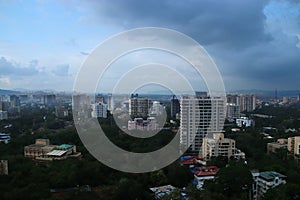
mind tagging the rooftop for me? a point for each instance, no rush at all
(64, 146)
(271, 175)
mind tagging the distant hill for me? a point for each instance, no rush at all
(8, 92)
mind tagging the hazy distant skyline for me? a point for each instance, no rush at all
(255, 43)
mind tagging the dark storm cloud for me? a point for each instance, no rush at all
(8, 67)
(237, 34)
(232, 22)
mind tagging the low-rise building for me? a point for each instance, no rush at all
(143, 125)
(263, 181)
(244, 122)
(205, 173)
(161, 191)
(5, 138)
(43, 151)
(281, 143)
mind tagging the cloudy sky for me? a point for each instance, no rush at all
(255, 43)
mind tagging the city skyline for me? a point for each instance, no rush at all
(255, 44)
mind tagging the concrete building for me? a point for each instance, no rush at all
(263, 181)
(3, 115)
(237, 103)
(218, 146)
(3, 167)
(232, 111)
(49, 99)
(200, 115)
(138, 106)
(61, 111)
(99, 110)
(273, 147)
(247, 102)
(43, 151)
(294, 145)
(175, 107)
(204, 173)
(244, 122)
(143, 125)
(5, 138)
(161, 191)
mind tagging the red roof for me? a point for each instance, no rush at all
(207, 171)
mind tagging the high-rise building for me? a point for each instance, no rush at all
(138, 106)
(50, 99)
(239, 103)
(110, 103)
(175, 106)
(247, 102)
(99, 110)
(200, 115)
(14, 101)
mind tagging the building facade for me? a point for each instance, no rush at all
(263, 181)
(99, 110)
(218, 146)
(200, 115)
(294, 145)
(138, 107)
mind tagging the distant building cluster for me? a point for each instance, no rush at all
(150, 124)
(292, 145)
(237, 103)
(43, 151)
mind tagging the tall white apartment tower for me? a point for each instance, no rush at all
(200, 115)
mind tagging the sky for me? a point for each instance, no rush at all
(254, 43)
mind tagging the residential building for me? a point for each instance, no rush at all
(204, 173)
(61, 111)
(263, 181)
(200, 115)
(161, 191)
(218, 146)
(49, 99)
(5, 138)
(244, 122)
(294, 145)
(138, 106)
(3, 167)
(175, 106)
(99, 110)
(3, 115)
(143, 125)
(237, 103)
(247, 102)
(273, 147)
(232, 111)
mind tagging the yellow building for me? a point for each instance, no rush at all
(218, 146)
(43, 151)
(41, 147)
(294, 145)
(281, 143)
